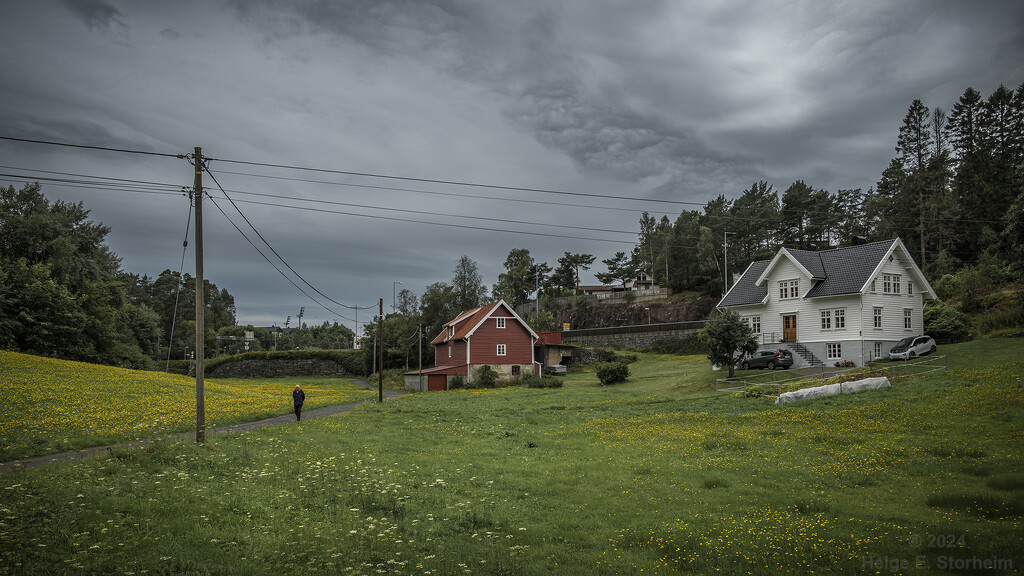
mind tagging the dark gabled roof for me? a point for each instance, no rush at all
(849, 268)
(745, 291)
(835, 272)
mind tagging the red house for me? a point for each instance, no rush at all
(491, 335)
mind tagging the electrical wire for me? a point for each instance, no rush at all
(454, 182)
(438, 193)
(86, 147)
(279, 257)
(269, 261)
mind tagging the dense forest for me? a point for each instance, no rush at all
(953, 192)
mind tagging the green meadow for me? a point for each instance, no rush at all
(654, 476)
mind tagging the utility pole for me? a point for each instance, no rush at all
(380, 372)
(200, 305)
(420, 330)
(537, 301)
(725, 244)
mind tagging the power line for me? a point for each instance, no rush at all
(269, 261)
(283, 261)
(456, 182)
(438, 193)
(86, 147)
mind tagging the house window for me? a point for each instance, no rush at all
(449, 351)
(789, 289)
(910, 287)
(516, 370)
(755, 324)
(878, 349)
(877, 314)
(826, 319)
(501, 349)
(451, 331)
(834, 351)
(891, 283)
(908, 319)
(840, 316)
(501, 322)
(872, 285)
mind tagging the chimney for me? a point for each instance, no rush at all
(812, 247)
(858, 241)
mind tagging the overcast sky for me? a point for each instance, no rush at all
(659, 104)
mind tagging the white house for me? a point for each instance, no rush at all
(850, 303)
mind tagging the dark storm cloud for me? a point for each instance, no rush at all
(669, 100)
(98, 15)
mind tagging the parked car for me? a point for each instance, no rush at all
(912, 347)
(556, 369)
(769, 359)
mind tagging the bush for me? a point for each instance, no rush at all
(944, 324)
(612, 372)
(545, 381)
(457, 381)
(353, 361)
(486, 377)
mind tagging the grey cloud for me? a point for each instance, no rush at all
(97, 14)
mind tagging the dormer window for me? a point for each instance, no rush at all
(451, 331)
(789, 289)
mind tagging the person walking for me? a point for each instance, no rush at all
(299, 397)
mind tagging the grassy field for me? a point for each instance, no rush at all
(642, 477)
(55, 405)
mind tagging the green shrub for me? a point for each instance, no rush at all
(353, 361)
(457, 381)
(538, 381)
(612, 372)
(486, 377)
(943, 323)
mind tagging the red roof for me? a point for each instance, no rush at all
(467, 322)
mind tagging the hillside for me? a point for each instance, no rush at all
(681, 307)
(55, 405)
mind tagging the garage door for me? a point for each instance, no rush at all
(437, 382)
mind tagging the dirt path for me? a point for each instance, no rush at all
(37, 461)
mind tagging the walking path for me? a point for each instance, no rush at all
(37, 461)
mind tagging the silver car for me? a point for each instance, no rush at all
(912, 347)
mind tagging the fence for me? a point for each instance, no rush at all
(771, 380)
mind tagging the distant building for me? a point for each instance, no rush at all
(851, 303)
(491, 335)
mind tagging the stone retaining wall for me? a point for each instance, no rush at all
(277, 368)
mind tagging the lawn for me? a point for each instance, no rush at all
(54, 405)
(636, 478)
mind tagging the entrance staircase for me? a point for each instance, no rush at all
(802, 351)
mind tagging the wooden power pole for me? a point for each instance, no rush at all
(200, 305)
(380, 368)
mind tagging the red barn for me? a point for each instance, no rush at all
(492, 335)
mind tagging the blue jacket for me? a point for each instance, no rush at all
(299, 396)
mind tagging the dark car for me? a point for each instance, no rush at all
(770, 359)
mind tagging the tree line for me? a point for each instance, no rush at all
(954, 193)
